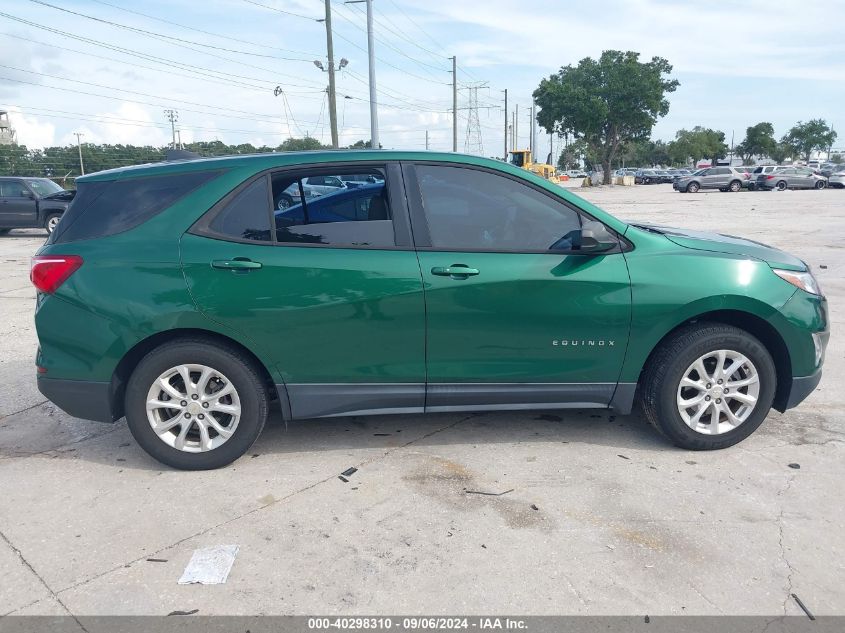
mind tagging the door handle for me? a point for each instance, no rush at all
(237, 264)
(455, 271)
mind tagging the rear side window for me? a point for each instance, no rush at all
(106, 208)
(306, 209)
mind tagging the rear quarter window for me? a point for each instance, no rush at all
(103, 208)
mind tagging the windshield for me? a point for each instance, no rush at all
(44, 186)
(518, 159)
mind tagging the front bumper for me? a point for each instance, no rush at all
(802, 387)
(84, 399)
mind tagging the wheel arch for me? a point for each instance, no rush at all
(758, 327)
(133, 356)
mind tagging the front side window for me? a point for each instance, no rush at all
(12, 189)
(468, 209)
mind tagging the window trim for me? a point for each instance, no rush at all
(396, 199)
(419, 222)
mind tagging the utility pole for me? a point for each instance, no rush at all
(330, 54)
(516, 128)
(172, 116)
(426, 139)
(505, 156)
(79, 147)
(179, 137)
(454, 103)
(371, 54)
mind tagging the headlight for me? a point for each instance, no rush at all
(804, 280)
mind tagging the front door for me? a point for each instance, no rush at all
(17, 205)
(331, 295)
(509, 321)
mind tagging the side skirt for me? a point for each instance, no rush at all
(320, 400)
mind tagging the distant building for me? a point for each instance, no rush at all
(7, 132)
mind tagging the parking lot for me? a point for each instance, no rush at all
(602, 515)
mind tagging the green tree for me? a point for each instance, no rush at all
(698, 143)
(780, 152)
(301, 144)
(836, 159)
(759, 141)
(606, 102)
(570, 156)
(803, 138)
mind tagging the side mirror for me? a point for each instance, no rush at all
(595, 238)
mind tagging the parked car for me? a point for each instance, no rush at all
(665, 176)
(29, 203)
(721, 178)
(791, 178)
(389, 298)
(760, 169)
(647, 177)
(356, 180)
(837, 177)
(576, 173)
(311, 187)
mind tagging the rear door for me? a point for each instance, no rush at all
(332, 293)
(18, 207)
(803, 178)
(509, 321)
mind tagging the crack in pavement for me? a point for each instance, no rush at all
(266, 505)
(52, 593)
(783, 557)
(9, 415)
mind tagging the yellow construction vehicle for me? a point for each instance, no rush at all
(522, 158)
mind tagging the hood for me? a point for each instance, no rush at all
(63, 196)
(730, 244)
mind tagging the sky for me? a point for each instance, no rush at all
(219, 62)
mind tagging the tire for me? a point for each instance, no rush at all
(693, 187)
(735, 186)
(284, 202)
(4, 231)
(230, 367)
(820, 184)
(51, 221)
(751, 186)
(661, 389)
(781, 185)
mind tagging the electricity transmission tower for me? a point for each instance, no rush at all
(474, 143)
(172, 116)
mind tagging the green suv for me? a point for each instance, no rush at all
(185, 297)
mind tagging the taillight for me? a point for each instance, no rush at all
(48, 272)
(770, 177)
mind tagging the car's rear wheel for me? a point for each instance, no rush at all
(196, 405)
(52, 221)
(781, 186)
(708, 386)
(735, 186)
(820, 184)
(693, 187)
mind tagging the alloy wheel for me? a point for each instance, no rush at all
(52, 223)
(718, 392)
(193, 408)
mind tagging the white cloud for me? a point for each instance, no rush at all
(30, 131)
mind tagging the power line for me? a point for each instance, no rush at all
(264, 6)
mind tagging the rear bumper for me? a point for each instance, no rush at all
(80, 398)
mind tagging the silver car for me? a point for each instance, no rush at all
(721, 178)
(791, 178)
(837, 177)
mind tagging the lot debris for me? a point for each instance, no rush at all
(343, 479)
(381, 434)
(349, 471)
(823, 266)
(489, 494)
(210, 565)
(623, 457)
(191, 612)
(803, 607)
(794, 465)
(156, 560)
(534, 506)
(484, 546)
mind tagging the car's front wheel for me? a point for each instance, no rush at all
(708, 386)
(195, 405)
(735, 186)
(693, 187)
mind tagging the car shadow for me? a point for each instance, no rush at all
(54, 435)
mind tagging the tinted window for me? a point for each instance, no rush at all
(471, 209)
(247, 215)
(12, 189)
(106, 208)
(343, 216)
